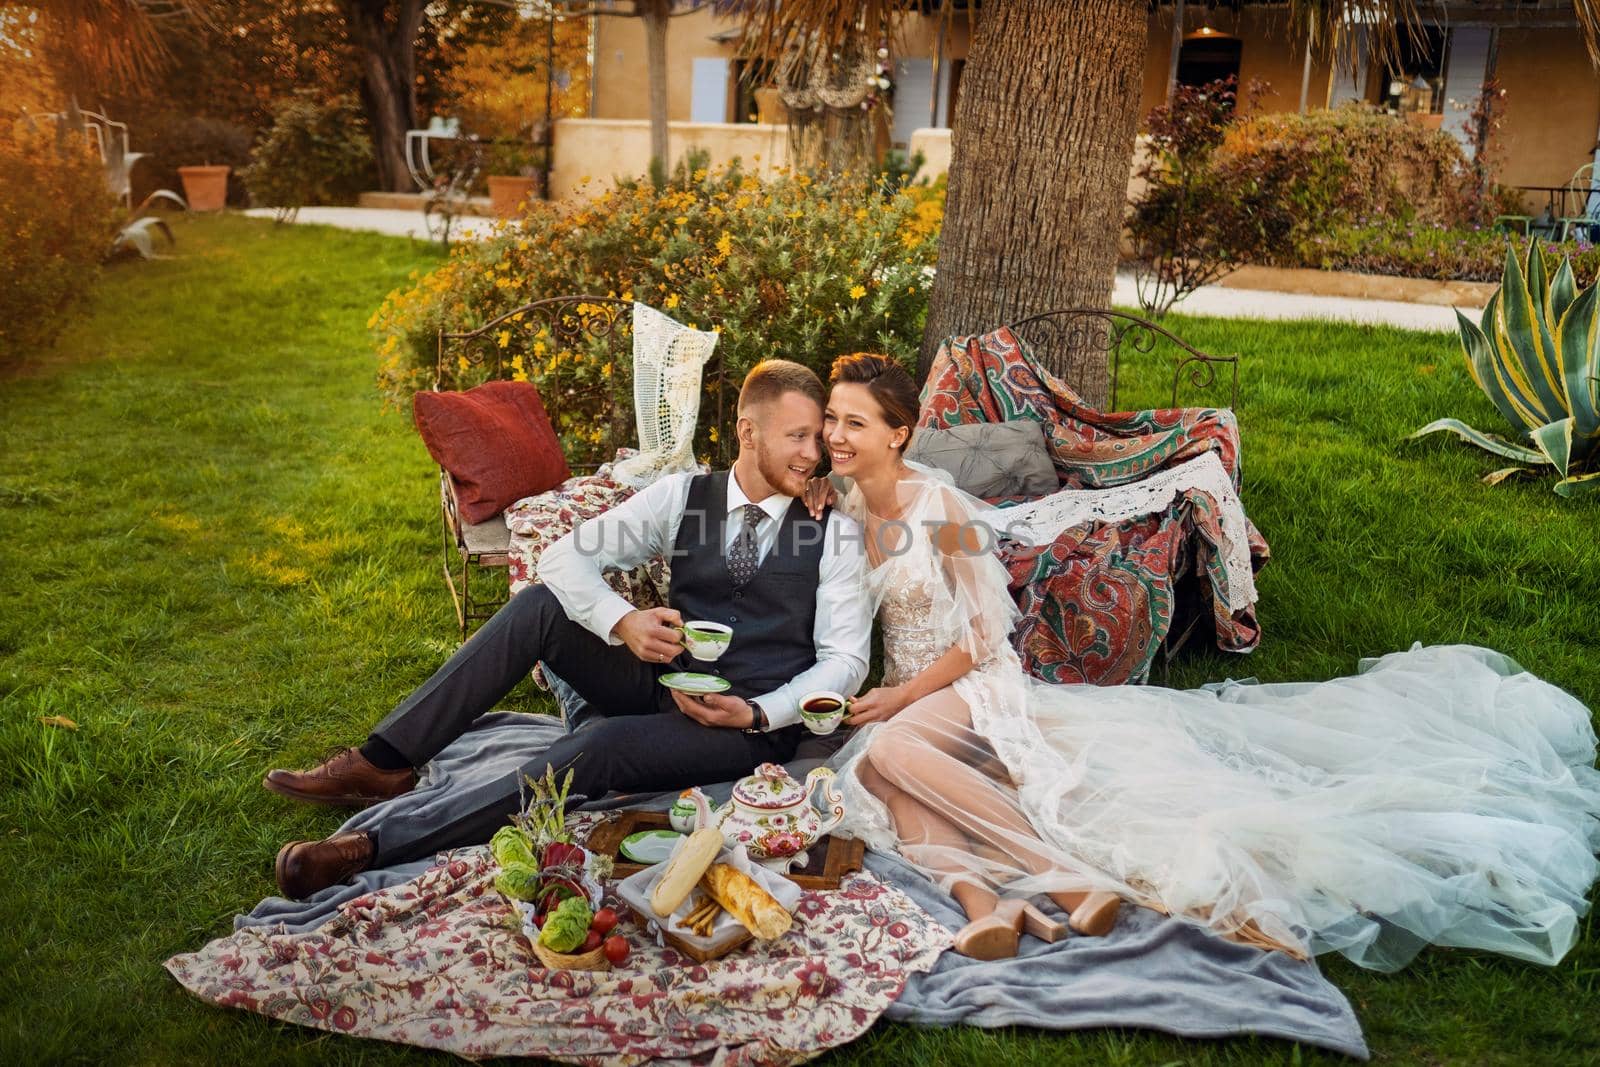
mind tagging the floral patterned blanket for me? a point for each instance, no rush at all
(1098, 603)
(438, 962)
(538, 521)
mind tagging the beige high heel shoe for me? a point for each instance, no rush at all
(1095, 914)
(995, 936)
(1036, 923)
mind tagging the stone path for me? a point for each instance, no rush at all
(390, 221)
(1210, 300)
(1262, 304)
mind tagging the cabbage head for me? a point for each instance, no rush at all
(566, 927)
(510, 845)
(519, 881)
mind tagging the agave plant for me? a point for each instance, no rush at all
(138, 237)
(1536, 354)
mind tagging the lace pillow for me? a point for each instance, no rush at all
(990, 459)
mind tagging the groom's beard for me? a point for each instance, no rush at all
(775, 470)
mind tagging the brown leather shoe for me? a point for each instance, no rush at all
(303, 867)
(347, 779)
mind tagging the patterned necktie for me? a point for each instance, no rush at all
(743, 554)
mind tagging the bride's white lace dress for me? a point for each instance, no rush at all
(1441, 795)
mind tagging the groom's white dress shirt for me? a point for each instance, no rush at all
(646, 525)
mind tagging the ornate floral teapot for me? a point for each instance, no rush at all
(772, 816)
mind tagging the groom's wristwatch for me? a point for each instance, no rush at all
(758, 718)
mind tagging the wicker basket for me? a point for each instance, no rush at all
(561, 961)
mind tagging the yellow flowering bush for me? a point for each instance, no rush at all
(794, 266)
(927, 214)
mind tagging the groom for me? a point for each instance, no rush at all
(744, 552)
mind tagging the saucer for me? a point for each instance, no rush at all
(689, 682)
(649, 846)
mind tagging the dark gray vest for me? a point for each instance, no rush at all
(772, 615)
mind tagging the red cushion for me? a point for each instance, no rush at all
(496, 442)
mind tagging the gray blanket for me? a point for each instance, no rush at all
(1150, 972)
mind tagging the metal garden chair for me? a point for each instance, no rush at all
(1582, 194)
(560, 323)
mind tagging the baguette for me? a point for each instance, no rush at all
(684, 870)
(743, 897)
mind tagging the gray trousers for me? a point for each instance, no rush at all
(631, 737)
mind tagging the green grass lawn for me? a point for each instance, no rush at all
(220, 555)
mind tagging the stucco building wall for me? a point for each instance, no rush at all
(1269, 53)
(1551, 120)
(621, 71)
(591, 153)
(1552, 108)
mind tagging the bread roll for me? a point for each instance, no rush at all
(742, 897)
(684, 870)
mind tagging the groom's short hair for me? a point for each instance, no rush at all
(771, 378)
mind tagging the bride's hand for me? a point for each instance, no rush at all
(876, 705)
(819, 494)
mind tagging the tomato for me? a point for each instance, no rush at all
(616, 948)
(591, 940)
(604, 920)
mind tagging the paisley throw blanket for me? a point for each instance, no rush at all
(437, 962)
(1099, 601)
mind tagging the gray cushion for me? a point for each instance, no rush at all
(990, 459)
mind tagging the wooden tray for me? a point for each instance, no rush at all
(693, 951)
(827, 862)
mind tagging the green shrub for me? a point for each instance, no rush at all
(1194, 221)
(315, 153)
(188, 141)
(512, 157)
(56, 222)
(1419, 250)
(1342, 189)
(1307, 174)
(793, 267)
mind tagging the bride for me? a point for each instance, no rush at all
(1441, 796)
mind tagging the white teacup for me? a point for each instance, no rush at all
(706, 640)
(822, 711)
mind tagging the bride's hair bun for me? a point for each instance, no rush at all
(888, 383)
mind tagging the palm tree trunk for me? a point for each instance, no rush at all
(1041, 150)
(656, 14)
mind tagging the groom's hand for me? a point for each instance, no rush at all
(651, 635)
(714, 709)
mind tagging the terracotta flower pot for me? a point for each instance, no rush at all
(206, 188)
(507, 193)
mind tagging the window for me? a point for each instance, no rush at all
(1416, 86)
(748, 76)
(1208, 55)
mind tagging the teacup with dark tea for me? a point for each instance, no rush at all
(822, 711)
(706, 640)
